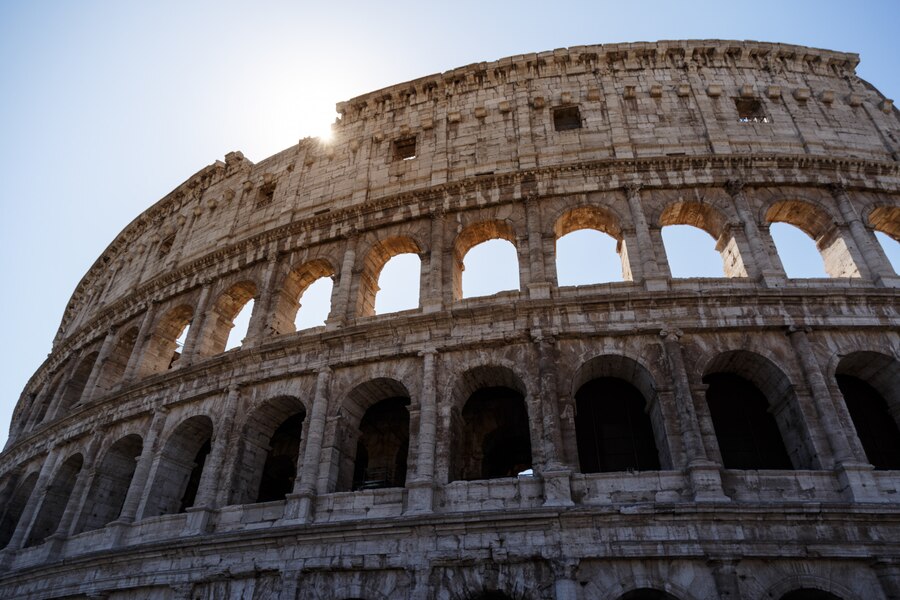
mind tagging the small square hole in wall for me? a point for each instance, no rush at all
(266, 195)
(566, 118)
(750, 110)
(404, 148)
(165, 246)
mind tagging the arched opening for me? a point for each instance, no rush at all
(75, 386)
(163, 349)
(690, 253)
(221, 322)
(15, 507)
(270, 453)
(746, 432)
(886, 222)
(485, 260)
(490, 595)
(398, 284)
(870, 384)
(647, 594)
(797, 251)
(45, 399)
(492, 436)
(819, 226)
(57, 497)
(613, 428)
(314, 304)
(374, 441)
(809, 594)
(114, 368)
(401, 291)
(111, 482)
(180, 468)
(588, 240)
(304, 299)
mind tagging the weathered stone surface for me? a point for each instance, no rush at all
(384, 456)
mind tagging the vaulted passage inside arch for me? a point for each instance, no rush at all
(220, 323)
(74, 388)
(647, 594)
(613, 429)
(114, 368)
(180, 468)
(383, 445)
(495, 440)
(875, 426)
(280, 469)
(747, 433)
(163, 348)
(111, 483)
(809, 594)
(490, 595)
(55, 501)
(15, 507)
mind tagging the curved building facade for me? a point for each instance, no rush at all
(654, 437)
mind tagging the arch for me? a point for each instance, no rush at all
(886, 219)
(818, 224)
(870, 384)
(647, 594)
(593, 218)
(179, 468)
(471, 236)
(56, 498)
(287, 302)
(74, 388)
(272, 443)
(162, 350)
(798, 253)
(491, 435)
(111, 482)
(15, 507)
(374, 261)
(45, 399)
(374, 446)
(809, 594)
(706, 217)
(220, 320)
(112, 371)
(754, 413)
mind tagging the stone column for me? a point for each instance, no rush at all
(555, 474)
(888, 572)
(421, 488)
(705, 476)
(565, 587)
(210, 480)
(645, 253)
(301, 500)
(109, 342)
(763, 265)
(77, 498)
(538, 286)
(196, 335)
(60, 391)
(880, 269)
(140, 344)
(432, 296)
(724, 571)
(854, 473)
(262, 308)
(142, 470)
(340, 295)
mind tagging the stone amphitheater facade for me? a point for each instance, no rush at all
(731, 437)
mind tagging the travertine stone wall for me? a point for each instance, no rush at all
(112, 437)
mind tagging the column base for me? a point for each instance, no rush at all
(539, 291)
(299, 507)
(200, 520)
(557, 487)
(773, 279)
(706, 482)
(119, 530)
(420, 498)
(656, 284)
(857, 482)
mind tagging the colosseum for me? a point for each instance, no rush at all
(651, 438)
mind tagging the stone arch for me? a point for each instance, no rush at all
(806, 581)
(806, 593)
(471, 236)
(870, 385)
(220, 319)
(162, 352)
(713, 221)
(273, 437)
(647, 593)
(287, 302)
(821, 226)
(16, 506)
(74, 387)
(638, 420)
(599, 219)
(112, 371)
(110, 484)
(755, 413)
(43, 401)
(179, 467)
(55, 500)
(378, 255)
(372, 444)
(490, 426)
(886, 219)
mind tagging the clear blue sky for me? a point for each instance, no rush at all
(107, 106)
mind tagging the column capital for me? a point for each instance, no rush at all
(632, 189)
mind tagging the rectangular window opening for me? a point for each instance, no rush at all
(405, 148)
(566, 118)
(266, 195)
(750, 110)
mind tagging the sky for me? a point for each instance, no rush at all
(105, 107)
